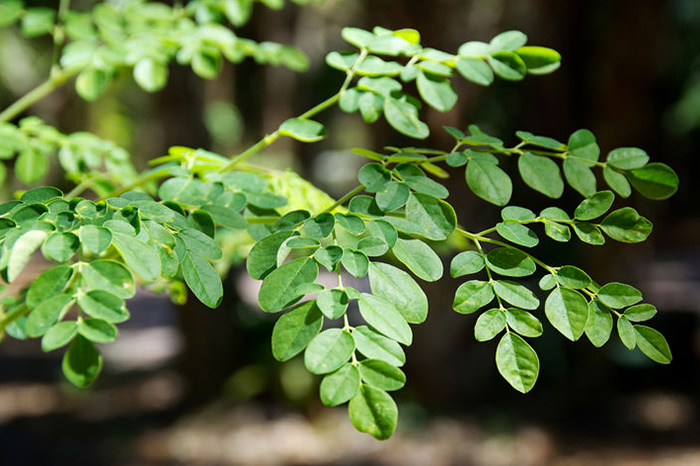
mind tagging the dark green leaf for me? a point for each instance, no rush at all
(380, 374)
(589, 233)
(373, 246)
(95, 239)
(617, 181)
(295, 329)
(82, 362)
(595, 206)
(435, 218)
(626, 225)
(600, 323)
(374, 412)
(579, 175)
(103, 305)
(328, 256)
(332, 303)
(355, 262)
(97, 330)
(654, 181)
(46, 314)
(202, 278)
(557, 231)
(510, 262)
(374, 176)
(465, 263)
(278, 289)
(110, 276)
(573, 277)
(487, 180)
(48, 284)
(582, 144)
(60, 246)
(517, 214)
(517, 233)
(262, 258)
(320, 226)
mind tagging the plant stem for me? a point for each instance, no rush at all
(254, 149)
(36, 94)
(82, 186)
(59, 35)
(344, 199)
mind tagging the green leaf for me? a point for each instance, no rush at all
(595, 206)
(10, 11)
(487, 180)
(654, 181)
(110, 276)
(557, 231)
(364, 205)
(489, 324)
(579, 175)
(589, 233)
(374, 412)
(355, 262)
(582, 144)
(97, 330)
(341, 60)
(435, 218)
(340, 386)
(38, 21)
(626, 332)
(384, 230)
(541, 174)
(82, 363)
(320, 226)
(600, 323)
(567, 310)
(517, 233)
(547, 282)
(626, 225)
(328, 256)
(392, 196)
(465, 263)
(375, 66)
(46, 314)
(517, 362)
(95, 239)
(403, 117)
(22, 250)
(539, 60)
(91, 83)
(573, 277)
(436, 91)
(373, 176)
(60, 246)
(418, 181)
(59, 335)
(262, 258)
(640, 312)
(475, 70)
(278, 289)
(150, 74)
(618, 295)
(472, 296)
(374, 345)
(508, 65)
(373, 246)
(627, 158)
(31, 165)
(332, 303)
(103, 305)
(371, 106)
(202, 278)
(508, 40)
(200, 243)
(206, 63)
(42, 194)
(516, 294)
(385, 318)
(141, 258)
(226, 216)
(523, 322)
(540, 141)
(295, 329)
(617, 181)
(352, 223)
(328, 350)
(653, 344)
(419, 258)
(303, 130)
(510, 262)
(397, 287)
(380, 374)
(384, 85)
(48, 284)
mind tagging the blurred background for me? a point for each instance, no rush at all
(187, 385)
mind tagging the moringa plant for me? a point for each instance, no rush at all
(164, 228)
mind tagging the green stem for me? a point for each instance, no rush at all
(344, 199)
(82, 186)
(254, 149)
(59, 35)
(140, 181)
(36, 94)
(13, 316)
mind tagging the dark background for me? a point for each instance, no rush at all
(194, 386)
